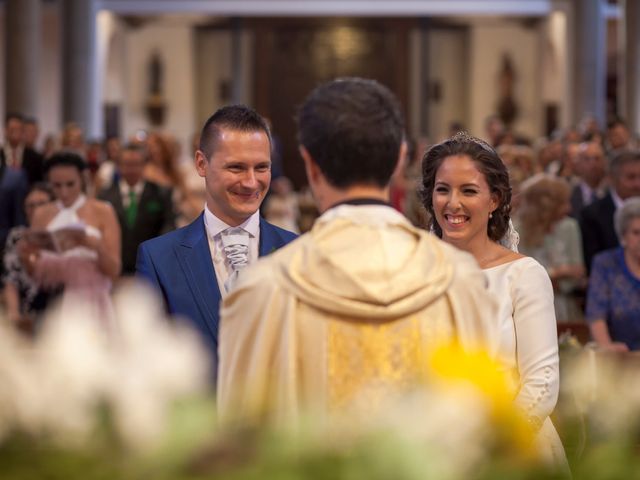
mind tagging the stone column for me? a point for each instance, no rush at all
(630, 106)
(590, 60)
(79, 88)
(22, 41)
(238, 74)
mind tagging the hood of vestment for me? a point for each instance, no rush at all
(367, 262)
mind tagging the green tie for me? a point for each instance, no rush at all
(132, 209)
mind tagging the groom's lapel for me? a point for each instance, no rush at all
(195, 258)
(269, 239)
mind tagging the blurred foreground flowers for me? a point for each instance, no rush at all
(133, 403)
(55, 387)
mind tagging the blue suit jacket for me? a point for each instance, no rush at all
(178, 264)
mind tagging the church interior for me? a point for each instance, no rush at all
(552, 86)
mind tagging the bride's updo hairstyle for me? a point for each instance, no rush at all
(65, 159)
(488, 163)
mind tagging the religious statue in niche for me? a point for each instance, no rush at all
(155, 105)
(507, 107)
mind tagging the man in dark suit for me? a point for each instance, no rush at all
(16, 155)
(144, 209)
(590, 168)
(596, 220)
(194, 266)
(13, 189)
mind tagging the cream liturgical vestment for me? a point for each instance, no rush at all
(350, 309)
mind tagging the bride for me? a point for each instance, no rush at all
(467, 194)
(88, 255)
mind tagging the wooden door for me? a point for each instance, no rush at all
(292, 56)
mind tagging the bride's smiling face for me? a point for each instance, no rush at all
(462, 200)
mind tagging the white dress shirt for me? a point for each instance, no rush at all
(215, 227)
(617, 201)
(589, 195)
(125, 188)
(10, 159)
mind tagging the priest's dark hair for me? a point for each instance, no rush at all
(353, 130)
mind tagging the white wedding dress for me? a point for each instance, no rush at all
(529, 345)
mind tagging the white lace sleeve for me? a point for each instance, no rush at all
(536, 341)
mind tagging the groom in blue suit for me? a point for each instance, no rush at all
(188, 266)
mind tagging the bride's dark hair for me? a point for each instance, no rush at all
(490, 165)
(65, 158)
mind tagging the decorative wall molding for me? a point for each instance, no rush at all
(333, 7)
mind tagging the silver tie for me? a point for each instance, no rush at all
(235, 245)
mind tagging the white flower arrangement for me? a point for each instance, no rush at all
(137, 367)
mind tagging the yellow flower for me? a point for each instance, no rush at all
(450, 366)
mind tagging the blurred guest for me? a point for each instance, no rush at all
(87, 255)
(308, 210)
(571, 135)
(31, 133)
(193, 182)
(550, 156)
(401, 181)
(22, 297)
(15, 154)
(73, 139)
(107, 172)
(162, 169)
(13, 189)
(282, 205)
(508, 137)
(613, 300)
(493, 129)
(590, 170)
(618, 136)
(94, 156)
(144, 209)
(277, 165)
(520, 163)
(413, 208)
(567, 168)
(596, 220)
(553, 239)
(50, 146)
(594, 137)
(588, 127)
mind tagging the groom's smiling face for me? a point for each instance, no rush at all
(237, 174)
